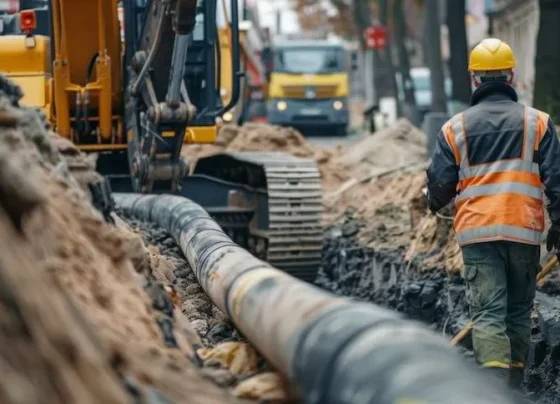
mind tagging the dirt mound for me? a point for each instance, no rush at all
(83, 318)
(388, 152)
(386, 173)
(399, 145)
(254, 137)
(260, 137)
(397, 148)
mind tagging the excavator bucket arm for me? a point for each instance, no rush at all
(170, 89)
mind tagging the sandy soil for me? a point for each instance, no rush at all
(83, 318)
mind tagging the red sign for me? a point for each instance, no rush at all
(376, 37)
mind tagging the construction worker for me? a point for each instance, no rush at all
(495, 158)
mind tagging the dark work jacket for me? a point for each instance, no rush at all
(494, 130)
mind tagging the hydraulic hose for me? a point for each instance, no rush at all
(137, 85)
(333, 349)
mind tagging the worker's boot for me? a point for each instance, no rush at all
(516, 377)
(499, 373)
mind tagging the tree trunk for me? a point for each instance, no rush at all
(362, 19)
(409, 107)
(547, 60)
(458, 63)
(388, 54)
(434, 56)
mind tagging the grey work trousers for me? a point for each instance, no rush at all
(501, 279)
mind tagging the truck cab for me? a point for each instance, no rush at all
(309, 86)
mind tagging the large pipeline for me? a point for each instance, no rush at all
(333, 349)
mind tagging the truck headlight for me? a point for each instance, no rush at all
(281, 106)
(338, 105)
(227, 117)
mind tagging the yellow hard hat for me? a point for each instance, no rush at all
(491, 54)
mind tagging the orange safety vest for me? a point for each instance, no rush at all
(500, 200)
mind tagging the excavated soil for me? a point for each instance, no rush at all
(86, 313)
(260, 137)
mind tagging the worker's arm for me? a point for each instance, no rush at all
(442, 175)
(549, 162)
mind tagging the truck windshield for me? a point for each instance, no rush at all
(308, 60)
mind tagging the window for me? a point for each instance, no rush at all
(308, 60)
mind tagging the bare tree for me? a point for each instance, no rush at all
(458, 62)
(404, 63)
(547, 60)
(387, 55)
(434, 56)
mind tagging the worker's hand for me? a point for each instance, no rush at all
(553, 238)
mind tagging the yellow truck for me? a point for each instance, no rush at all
(309, 86)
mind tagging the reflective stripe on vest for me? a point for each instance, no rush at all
(476, 220)
(497, 232)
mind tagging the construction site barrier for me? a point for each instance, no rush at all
(332, 349)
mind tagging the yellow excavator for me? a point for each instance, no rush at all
(136, 102)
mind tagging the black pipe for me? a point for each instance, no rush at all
(333, 349)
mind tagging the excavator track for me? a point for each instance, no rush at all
(292, 228)
(295, 233)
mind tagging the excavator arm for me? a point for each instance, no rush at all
(174, 59)
(87, 72)
(158, 102)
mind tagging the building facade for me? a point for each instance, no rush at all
(517, 23)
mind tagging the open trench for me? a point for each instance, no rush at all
(386, 278)
(383, 277)
(222, 354)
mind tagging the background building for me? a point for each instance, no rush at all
(517, 23)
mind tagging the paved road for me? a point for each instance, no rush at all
(333, 141)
